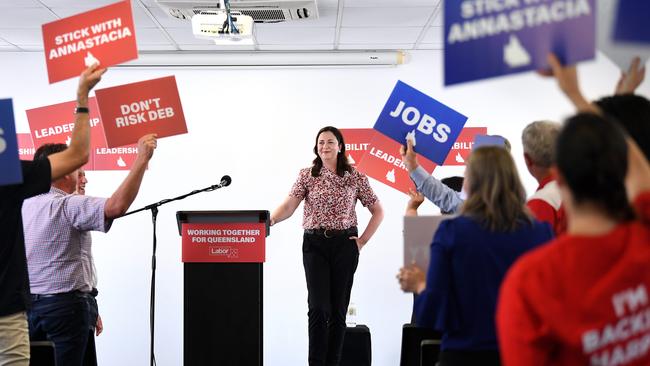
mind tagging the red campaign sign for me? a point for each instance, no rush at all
(117, 158)
(54, 124)
(383, 162)
(133, 110)
(105, 35)
(463, 146)
(357, 141)
(26, 148)
(224, 242)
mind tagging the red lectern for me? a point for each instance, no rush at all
(223, 254)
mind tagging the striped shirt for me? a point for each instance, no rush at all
(57, 241)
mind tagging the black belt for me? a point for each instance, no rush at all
(36, 297)
(330, 233)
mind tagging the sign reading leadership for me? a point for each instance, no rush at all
(9, 162)
(431, 125)
(487, 38)
(383, 162)
(105, 35)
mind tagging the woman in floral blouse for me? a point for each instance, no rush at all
(331, 243)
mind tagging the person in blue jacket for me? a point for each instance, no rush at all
(470, 254)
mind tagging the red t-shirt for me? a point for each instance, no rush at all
(580, 300)
(546, 205)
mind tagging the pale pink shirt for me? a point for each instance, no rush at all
(57, 241)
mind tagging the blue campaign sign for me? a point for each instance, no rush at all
(487, 38)
(433, 126)
(9, 163)
(488, 140)
(632, 21)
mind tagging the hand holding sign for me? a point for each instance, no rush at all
(408, 156)
(146, 145)
(89, 78)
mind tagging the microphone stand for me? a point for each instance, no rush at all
(154, 214)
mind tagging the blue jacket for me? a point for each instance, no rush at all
(468, 263)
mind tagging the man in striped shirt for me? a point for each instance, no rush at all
(57, 225)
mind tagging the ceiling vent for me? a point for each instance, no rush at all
(262, 11)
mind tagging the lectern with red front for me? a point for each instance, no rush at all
(223, 254)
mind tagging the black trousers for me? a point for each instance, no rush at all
(330, 264)
(469, 358)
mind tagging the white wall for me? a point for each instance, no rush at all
(258, 126)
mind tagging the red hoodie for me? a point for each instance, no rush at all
(580, 300)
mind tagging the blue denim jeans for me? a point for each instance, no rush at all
(63, 319)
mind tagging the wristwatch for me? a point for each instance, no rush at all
(78, 110)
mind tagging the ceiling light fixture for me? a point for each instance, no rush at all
(263, 58)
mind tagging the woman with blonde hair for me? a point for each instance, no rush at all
(470, 255)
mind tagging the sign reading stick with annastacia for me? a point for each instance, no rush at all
(105, 35)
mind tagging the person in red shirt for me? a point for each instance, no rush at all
(584, 298)
(331, 243)
(538, 139)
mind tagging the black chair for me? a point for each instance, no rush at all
(356, 347)
(429, 352)
(42, 353)
(412, 338)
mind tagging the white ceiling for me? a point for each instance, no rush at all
(342, 25)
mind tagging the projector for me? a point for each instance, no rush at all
(214, 25)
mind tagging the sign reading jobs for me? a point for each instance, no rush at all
(9, 163)
(133, 110)
(224, 242)
(104, 35)
(410, 114)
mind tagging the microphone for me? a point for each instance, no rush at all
(225, 181)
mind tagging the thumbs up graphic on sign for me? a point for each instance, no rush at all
(68, 140)
(459, 158)
(120, 162)
(351, 160)
(514, 54)
(390, 176)
(3, 143)
(411, 136)
(90, 60)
